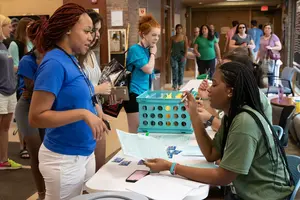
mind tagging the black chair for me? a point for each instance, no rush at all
(286, 81)
(282, 116)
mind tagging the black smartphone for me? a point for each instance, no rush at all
(137, 175)
(107, 124)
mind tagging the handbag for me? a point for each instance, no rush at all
(274, 55)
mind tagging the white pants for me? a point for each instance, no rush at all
(64, 175)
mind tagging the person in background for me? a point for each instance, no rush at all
(260, 26)
(252, 158)
(18, 47)
(33, 137)
(14, 25)
(92, 69)
(8, 98)
(141, 61)
(21, 44)
(256, 34)
(63, 103)
(215, 33)
(269, 42)
(208, 115)
(195, 36)
(242, 38)
(206, 48)
(177, 53)
(229, 35)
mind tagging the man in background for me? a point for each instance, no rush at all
(194, 37)
(215, 33)
(230, 34)
(256, 34)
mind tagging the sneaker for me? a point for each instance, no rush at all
(10, 165)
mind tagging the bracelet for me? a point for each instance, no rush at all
(204, 99)
(172, 169)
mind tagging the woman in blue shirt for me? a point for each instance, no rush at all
(140, 61)
(32, 136)
(63, 103)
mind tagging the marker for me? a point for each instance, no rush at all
(185, 96)
(147, 133)
(207, 73)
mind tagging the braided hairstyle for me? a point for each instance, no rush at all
(246, 92)
(53, 30)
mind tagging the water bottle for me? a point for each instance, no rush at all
(280, 93)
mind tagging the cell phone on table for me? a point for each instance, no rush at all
(137, 175)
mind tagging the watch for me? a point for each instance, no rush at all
(209, 122)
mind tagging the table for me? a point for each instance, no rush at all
(111, 177)
(286, 101)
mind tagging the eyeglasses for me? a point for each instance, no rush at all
(242, 27)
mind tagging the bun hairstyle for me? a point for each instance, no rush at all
(146, 23)
(53, 30)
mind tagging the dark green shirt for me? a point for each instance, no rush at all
(246, 154)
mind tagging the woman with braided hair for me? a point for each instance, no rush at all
(251, 157)
(63, 102)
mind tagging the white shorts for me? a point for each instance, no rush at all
(7, 104)
(65, 175)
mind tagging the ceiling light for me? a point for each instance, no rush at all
(200, 2)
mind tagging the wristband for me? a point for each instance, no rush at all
(172, 169)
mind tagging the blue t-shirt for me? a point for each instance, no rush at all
(138, 57)
(59, 75)
(256, 34)
(27, 68)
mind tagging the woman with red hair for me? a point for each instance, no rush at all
(32, 136)
(140, 61)
(63, 103)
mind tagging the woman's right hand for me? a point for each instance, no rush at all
(153, 49)
(105, 88)
(191, 104)
(202, 90)
(96, 124)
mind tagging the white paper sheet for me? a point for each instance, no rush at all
(179, 179)
(158, 188)
(191, 151)
(140, 146)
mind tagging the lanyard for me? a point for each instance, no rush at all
(93, 97)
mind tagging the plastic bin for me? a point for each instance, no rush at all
(163, 112)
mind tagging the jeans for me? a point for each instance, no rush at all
(271, 78)
(177, 64)
(204, 65)
(65, 175)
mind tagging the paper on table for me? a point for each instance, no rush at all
(140, 146)
(179, 179)
(170, 140)
(162, 189)
(191, 151)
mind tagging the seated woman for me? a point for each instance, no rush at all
(241, 55)
(251, 156)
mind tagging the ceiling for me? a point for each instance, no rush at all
(224, 3)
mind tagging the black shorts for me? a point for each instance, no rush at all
(132, 105)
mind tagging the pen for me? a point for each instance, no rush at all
(185, 96)
(207, 73)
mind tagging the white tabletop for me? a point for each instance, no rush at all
(112, 176)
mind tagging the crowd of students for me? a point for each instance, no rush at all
(63, 125)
